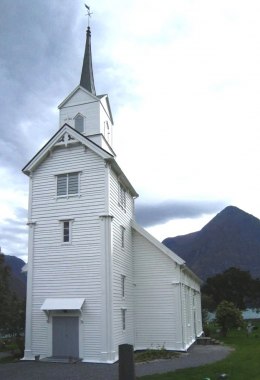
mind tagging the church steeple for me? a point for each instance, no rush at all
(87, 77)
(86, 112)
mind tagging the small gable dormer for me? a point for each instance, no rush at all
(88, 113)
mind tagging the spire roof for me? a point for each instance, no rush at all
(87, 77)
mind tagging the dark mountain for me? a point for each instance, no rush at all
(17, 281)
(230, 239)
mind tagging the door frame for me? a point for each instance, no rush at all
(62, 313)
(65, 336)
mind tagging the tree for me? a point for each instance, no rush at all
(233, 285)
(254, 302)
(12, 310)
(16, 312)
(228, 317)
(4, 295)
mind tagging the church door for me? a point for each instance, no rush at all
(65, 336)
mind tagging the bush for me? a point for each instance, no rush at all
(228, 317)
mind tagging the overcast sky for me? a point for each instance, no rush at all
(183, 78)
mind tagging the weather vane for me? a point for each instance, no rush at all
(89, 13)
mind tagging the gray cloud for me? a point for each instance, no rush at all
(13, 234)
(36, 66)
(42, 45)
(151, 214)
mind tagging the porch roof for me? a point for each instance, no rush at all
(62, 304)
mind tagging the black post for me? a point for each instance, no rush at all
(126, 362)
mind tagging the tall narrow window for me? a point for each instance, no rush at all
(122, 237)
(123, 311)
(67, 184)
(66, 231)
(122, 196)
(79, 123)
(123, 285)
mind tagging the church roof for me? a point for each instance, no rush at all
(87, 77)
(168, 252)
(156, 243)
(68, 133)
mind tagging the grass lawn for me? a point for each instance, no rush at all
(242, 364)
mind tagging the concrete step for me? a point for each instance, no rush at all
(206, 340)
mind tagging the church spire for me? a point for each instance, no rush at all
(87, 77)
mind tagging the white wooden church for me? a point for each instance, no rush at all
(96, 279)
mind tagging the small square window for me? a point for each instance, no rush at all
(67, 184)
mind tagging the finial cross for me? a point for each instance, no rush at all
(88, 13)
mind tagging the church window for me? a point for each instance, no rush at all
(123, 285)
(122, 237)
(66, 231)
(67, 184)
(122, 196)
(123, 311)
(79, 123)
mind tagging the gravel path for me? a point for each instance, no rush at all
(4, 354)
(196, 356)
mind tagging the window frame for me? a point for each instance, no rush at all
(83, 121)
(122, 233)
(68, 194)
(123, 283)
(123, 316)
(122, 196)
(67, 227)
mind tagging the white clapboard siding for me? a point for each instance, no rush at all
(90, 108)
(191, 309)
(105, 121)
(68, 270)
(157, 308)
(122, 264)
(192, 322)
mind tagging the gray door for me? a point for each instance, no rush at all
(65, 336)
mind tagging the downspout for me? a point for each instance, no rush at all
(181, 283)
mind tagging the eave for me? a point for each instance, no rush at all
(108, 106)
(157, 244)
(121, 176)
(73, 92)
(46, 149)
(191, 273)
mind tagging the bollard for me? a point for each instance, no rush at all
(126, 362)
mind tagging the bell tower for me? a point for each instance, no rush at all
(86, 112)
